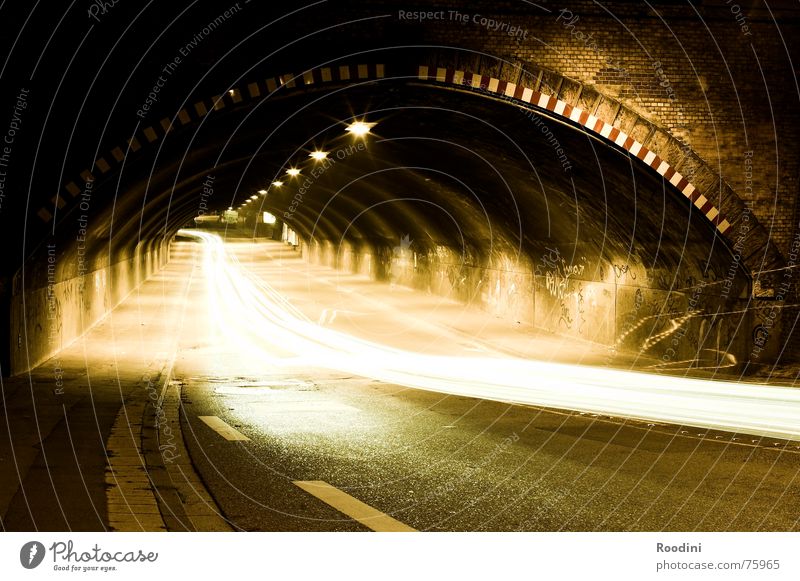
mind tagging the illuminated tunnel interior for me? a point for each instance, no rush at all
(268, 249)
(508, 209)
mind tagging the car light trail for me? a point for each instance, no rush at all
(260, 321)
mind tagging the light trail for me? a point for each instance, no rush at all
(258, 320)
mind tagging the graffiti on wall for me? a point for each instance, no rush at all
(557, 272)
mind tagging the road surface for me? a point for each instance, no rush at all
(244, 389)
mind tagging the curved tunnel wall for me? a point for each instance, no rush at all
(547, 91)
(610, 297)
(566, 296)
(56, 305)
(675, 307)
(91, 265)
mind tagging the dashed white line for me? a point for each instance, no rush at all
(226, 431)
(370, 517)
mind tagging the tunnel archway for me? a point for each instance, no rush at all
(540, 91)
(498, 251)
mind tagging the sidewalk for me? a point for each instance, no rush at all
(76, 452)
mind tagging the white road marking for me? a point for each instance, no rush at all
(226, 431)
(130, 498)
(369, 517)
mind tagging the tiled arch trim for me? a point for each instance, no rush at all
(585, 119)
(365, 72)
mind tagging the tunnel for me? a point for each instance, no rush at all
(562, 209)
(468, 194)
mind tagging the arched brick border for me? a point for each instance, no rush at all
(587, 120)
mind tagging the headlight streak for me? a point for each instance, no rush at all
(260, 321)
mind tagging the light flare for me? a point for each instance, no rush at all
(359, 128)
(260, 321)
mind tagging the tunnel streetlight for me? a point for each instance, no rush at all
(253, 197)
(318, 155)
(262, 192)
(359, 128)
(277, 184)
(293, 172)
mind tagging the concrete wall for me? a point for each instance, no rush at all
(61, 305)
(622, 307)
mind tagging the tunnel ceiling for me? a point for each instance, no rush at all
(478, 175)
(442, 167)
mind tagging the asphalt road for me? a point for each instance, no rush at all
(242, 437)
(443, 462)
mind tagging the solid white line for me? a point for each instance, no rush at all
(352, 507)
(228, 432)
